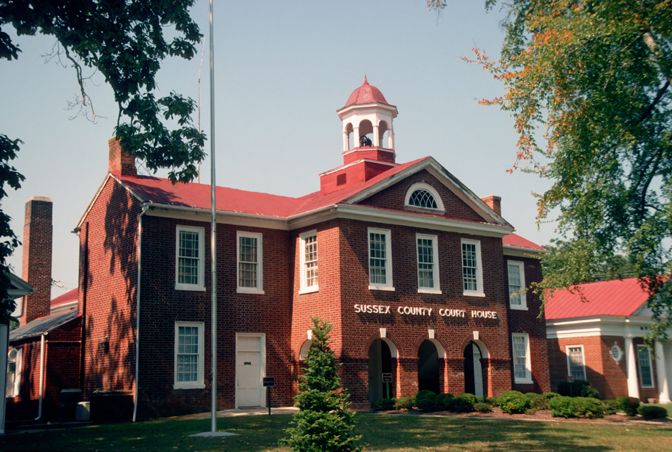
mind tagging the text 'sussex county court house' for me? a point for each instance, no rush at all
(419, 276)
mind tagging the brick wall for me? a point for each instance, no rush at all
(37, 247)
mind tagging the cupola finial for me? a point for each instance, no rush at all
(365, 81)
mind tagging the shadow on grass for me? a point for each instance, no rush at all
(379, 433)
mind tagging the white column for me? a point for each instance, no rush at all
(663, 388)
(633, 385)
(376, 136)
(390, 133)
(355, 137)
(345, 141)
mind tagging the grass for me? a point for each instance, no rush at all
(379, 433)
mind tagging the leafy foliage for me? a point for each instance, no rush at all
(513, 402)
(628, 405)
(9, 176)
(123, 40)
(652, 412)
(568, 407)
(323, 422)
(588, 84)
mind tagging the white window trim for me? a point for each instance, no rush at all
(16, 388)
(479, 292)
(199, 384)
(528, 361)
(421, 185)
(620, 352)
(583, 358)
(201, 258)
(389, 285)
(523, 298)
(260, 263)
(639, 364)
(435, 267)
(304, 288)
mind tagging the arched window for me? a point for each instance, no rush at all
(14, 372)
(423, 196)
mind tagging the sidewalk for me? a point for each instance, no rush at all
(255, 411)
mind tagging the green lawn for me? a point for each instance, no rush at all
(379, 433)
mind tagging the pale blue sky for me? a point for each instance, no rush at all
(282, 69)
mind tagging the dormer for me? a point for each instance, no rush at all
(368, 139)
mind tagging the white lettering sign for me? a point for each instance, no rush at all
(408, 310)
(484, 315)
(452, 313)
(372, 309)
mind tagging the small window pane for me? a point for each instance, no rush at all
(247, 263)
(188, 258)
(425, 263)
(576, 368)
(422, 198)
(520, 357)
(311, 260)
(377, 258)
(469, 267)
(187, 354)
(645, 366)
(515, 284)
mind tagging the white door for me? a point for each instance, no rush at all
(249, 371)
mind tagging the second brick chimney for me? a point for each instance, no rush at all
(121, 163)
(494, 202)
(37, 236)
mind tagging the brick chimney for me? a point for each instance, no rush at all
(494, 202)
(37, 234)
(121, 163)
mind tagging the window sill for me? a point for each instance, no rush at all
(386, 288)
(433, 291)
(473, 294)
(309, 290)
(190, 288)
(250, 290)
(522, 382)
(188, 386)
(518, 308)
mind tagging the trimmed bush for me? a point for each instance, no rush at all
(513, 402)
(652, 412)
(628, 405)
(428, 404)
(403, 403)
(568, 389)
(384, 405)
(550, 395)
(537, 401)
(482, 407)
(422, 395)
(470, 397)
(459, 404)
(444, 400)
(568, 407)
(589, 391)
(610, 406)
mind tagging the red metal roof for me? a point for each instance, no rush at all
(67, 297)
(366, 94)
(519, 242)
(617, 297)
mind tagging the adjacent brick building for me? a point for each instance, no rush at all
(602, 341)
(418, 275)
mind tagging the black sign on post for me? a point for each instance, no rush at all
(387, 377)
(269, 382)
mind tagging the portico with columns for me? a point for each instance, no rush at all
(603, 340)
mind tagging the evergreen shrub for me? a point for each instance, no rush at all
(482, 407)
(568, 389)
(444, 400)
(384, 404)
(652, 412)
(428, 404)
(568, 407)
(422, 395)
(403, 403)
(537, 401)
(550, 395)
(628, 405)
(610, 406)
(589, 391)
(513, 402)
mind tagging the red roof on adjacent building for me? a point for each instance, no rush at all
(366, 94)
(66, 298)
(617, 297)
(519, 242)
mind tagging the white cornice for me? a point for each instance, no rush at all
(603, 325)
(518, 251)
(371, 106)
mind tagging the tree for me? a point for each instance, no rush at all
(588, 85)
(323, 422)
(124, 41)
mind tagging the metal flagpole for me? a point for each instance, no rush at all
(213, 228)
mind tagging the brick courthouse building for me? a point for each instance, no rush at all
(411, 267)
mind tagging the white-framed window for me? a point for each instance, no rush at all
(645, 370)
(308, 261)
(380, 259)
(424, 196)
(522, 368)
(517, 300)
(576, 364)
(250, 262)
(472, 268)
(14, 358)
(428, 263)
(189, 258)
(189, 355)
(616, 352)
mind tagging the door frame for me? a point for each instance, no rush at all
(262, 365)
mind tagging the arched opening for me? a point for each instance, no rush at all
(348, 131)
(380, 362)
(382, 133)
(365, 130)
(428, 367)
(473, 370)
(304, 349)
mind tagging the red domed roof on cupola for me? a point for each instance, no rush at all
(366, 94)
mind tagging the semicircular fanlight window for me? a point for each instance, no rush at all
(422, 198)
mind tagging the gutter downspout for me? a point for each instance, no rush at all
(42, 367)
(137, 316)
